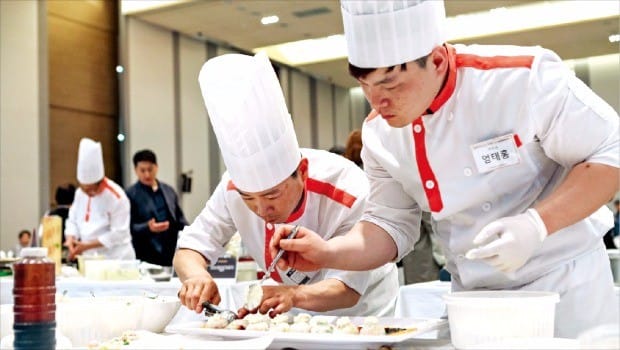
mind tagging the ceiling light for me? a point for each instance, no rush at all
(308, 51)
(269, 20)
(614, 38)
(526, 17)
(135, 6)
(467, 26)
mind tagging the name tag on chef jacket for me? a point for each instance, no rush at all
(495, 153)
(297, 277)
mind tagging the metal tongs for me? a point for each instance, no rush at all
(211, 310)
(257, 295)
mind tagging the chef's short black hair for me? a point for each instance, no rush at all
(145, 155)
(358, 73)
(24, 232)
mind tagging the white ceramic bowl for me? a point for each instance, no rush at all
(480, 317)
(96, 319)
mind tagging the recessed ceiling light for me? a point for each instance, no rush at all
(269, 20)
(461, 27)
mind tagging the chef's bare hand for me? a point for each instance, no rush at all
(508, 243)
(155, 226)
(303, 253)
(276, 300)
(198, 289)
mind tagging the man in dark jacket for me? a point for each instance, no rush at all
(156, 217)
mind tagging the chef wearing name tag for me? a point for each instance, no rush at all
(269, 182)
(98, 222)
(512, 154)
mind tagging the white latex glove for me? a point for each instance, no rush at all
(511, 241)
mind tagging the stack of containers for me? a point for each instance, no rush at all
(34, 301)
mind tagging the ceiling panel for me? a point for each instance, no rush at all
(237, 23)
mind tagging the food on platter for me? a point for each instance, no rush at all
(305, 323)
(217, 321)
(371, 327)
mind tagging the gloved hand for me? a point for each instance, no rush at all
(511, 241)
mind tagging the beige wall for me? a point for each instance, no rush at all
(23, 114)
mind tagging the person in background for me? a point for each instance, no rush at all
(156, 216)
(337, 149)
(353, 148)
(64, 198)
(25, 240)
(271, 181)
(490, 140)
(98, 222)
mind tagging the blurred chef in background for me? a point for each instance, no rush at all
(512, 154)
(98, 222)
(270, 181)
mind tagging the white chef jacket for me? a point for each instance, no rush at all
(334, 200)
(104, 217)
(550, 122)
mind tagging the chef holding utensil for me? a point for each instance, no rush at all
(271, 181)
(98, 222)
(512, 154)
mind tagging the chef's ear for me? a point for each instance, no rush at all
(302, 169)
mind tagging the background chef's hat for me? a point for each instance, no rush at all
(382, 33)
(90, 162)
(251, 122)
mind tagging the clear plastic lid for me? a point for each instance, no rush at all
(39, 252)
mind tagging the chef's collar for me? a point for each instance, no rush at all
(448, 89)
(301, 207)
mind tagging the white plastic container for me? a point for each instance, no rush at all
(480, 317)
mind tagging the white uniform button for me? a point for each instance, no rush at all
(450, 116)
(417, 128)
(429, 184)
(467, 171)
(269, 226)
(486, 206)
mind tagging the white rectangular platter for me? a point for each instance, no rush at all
(320, 341)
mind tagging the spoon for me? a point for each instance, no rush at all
(254, 293)
(211, 310)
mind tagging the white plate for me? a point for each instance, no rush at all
(319, 341)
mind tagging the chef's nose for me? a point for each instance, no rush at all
(261, 207)
(377, 98)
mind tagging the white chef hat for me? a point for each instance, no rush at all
(90, 162)
(385, 33)
(251, 122)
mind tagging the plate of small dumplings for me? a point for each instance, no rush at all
(304, 331)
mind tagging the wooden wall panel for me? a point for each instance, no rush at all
(98, 14)
(83, 86)
(68, 127)
(82, 67)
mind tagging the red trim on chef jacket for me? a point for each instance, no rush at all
(331, 192)
(268, 234)
(87, 216)
(107, 186)
(517, 140)
(433, 195)
(484, 63)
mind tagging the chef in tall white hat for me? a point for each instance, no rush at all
(494, 141)
(98, 222)
(269, 182)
